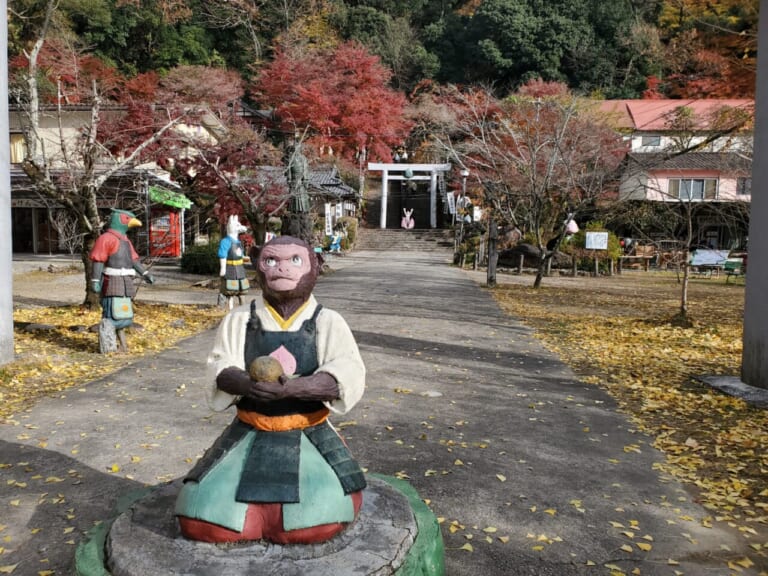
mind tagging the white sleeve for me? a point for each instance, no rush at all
(339, 356)
(228, 350)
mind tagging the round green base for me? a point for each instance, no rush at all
(425, 557)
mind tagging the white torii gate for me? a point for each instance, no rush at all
(418, 172)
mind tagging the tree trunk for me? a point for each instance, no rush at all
(298, 225)
(92, 300)
(541, 270)
(684, 293)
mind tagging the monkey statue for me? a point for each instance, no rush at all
(279, 472)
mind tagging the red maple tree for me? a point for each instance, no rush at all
(338, 100)
(242, 172)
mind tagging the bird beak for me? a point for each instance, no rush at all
(133, 223)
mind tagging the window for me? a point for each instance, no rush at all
(18, 148)
(650, 141)
(693, 188)
(744, 186)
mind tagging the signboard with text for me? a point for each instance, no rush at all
(597, 241)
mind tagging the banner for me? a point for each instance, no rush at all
(451, 202)
(328, 219)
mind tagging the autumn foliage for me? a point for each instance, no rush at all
(337, 98)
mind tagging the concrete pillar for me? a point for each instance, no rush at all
(433, 200)
(754, 361)
(384, 196)
(6, 262)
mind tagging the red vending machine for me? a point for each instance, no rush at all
(165, 233)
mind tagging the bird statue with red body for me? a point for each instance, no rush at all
(115, 265)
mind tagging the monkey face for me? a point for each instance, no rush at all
(283, 266)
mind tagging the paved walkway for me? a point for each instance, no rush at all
(533, 472)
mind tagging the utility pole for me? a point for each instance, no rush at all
(6, 251)
(754, 360)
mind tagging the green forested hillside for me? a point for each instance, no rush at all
(613, 49)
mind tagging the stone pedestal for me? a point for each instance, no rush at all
(395, 533)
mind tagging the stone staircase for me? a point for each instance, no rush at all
(371, 237)
(429, 240)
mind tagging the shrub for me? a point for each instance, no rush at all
(201, 260)
(350, 223)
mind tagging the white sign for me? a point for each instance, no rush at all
(328, 219)
(451, 203)
(597, 241)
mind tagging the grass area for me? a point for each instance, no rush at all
(616, 333)
(66, 353)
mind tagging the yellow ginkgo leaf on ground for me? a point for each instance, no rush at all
(503, 539)
(627, 548)
(490, 529)
(745, 562)
(468, 547)
(8, 568)
(644, 546)
(550, 511)
(501, 477)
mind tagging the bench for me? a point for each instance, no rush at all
(640, 258)
(733, 267)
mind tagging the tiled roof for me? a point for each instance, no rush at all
(324, 181)
(718, 161)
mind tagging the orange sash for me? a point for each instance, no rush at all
(282, 423)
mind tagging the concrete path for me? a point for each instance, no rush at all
(533, 472)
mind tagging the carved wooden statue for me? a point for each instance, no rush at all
(279, 472)
(234, 283)
(115, 265)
